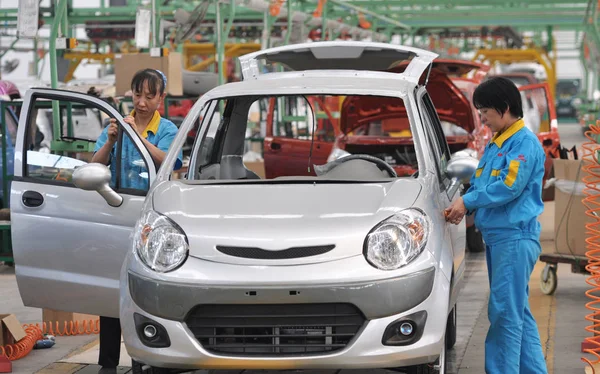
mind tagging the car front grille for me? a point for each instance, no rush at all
(262, 254)
(275, 329)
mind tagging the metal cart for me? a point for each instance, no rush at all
(549, 279)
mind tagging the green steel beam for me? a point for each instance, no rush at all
(504, 3)
(388, 20)
(9, 48)
(61, 10)
(564, 22)
(486, 8)
(507, 13)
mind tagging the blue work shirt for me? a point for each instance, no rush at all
(506, 189)
(134, 172)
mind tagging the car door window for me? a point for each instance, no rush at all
(53, 158)
(438, 142)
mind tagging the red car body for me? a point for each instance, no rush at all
(451, 85)
(286, 156)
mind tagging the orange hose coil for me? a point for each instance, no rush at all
(34, 333)
(22, 348)
(591, 200)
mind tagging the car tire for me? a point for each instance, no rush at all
(428, 368)
(139, 368)
(451, 328)
(475, 242)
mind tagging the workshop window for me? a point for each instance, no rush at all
(53, 152)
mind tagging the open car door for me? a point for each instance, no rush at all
(69, 244)
(539, 114)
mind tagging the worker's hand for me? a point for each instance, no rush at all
(113, 131)
(456, 212)
(131, 121)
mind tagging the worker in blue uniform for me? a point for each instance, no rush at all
(506, 198)
(157, 134)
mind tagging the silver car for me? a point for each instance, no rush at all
(351, 265)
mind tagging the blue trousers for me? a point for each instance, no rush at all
(512, 345)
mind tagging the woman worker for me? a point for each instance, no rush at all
(157, 133)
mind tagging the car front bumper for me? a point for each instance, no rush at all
(381, 303)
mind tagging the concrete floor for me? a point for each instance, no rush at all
(561, 318)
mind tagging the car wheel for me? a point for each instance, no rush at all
(438, 367)
(475, 242)
(451, 329)
(139, 368)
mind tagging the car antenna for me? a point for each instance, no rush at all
(428, 72)
(312, 138)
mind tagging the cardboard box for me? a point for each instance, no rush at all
(127, 64)
(11, 330)
(256, 166)
(53, 316)
(569, 217)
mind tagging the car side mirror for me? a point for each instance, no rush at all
(462, 168)
(96, 177)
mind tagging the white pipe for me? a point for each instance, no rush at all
(263, 6)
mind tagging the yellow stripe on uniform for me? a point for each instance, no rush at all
(495, 172)
(478, 173)
(513, 170)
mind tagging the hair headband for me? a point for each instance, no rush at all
(164, 77)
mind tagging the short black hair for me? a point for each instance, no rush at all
(499, 93)
(155, 80)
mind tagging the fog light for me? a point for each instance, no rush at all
(406, 328)
(150, 331)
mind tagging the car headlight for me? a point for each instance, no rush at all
(577, 101)
(336, 154)
(398, 240)
(160, 243)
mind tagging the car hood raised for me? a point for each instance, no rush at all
(450, 103)
(281, 223)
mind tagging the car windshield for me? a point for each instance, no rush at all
(298, 137)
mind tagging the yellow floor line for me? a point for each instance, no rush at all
(543, 308)
(61, 368)
(79, 350)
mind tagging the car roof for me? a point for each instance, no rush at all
(317, 82)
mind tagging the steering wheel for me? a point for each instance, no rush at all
(380, 163)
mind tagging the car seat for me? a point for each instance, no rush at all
(232, 167)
